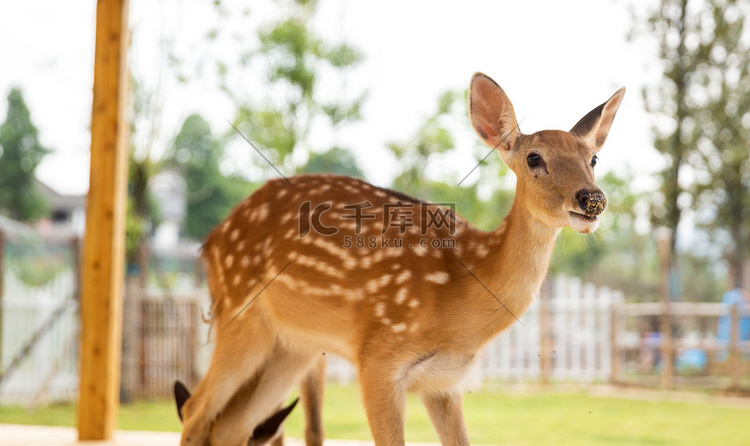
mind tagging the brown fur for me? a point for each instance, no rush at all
(409, 318)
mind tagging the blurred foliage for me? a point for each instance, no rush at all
(136, 228)
(336, 160)
(702, 107)
(196, 153)
(616, 255)
(36, 261)
(722, 194)
(20, 154)
(672, 26)
(295, 57)
(143, 211)
(435, 138)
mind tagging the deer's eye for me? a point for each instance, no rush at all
(533, 160)
(594, 160)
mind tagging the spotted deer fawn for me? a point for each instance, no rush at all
(408, 291)
(267, 432)
(270, 431)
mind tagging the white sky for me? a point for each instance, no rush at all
(556, 61)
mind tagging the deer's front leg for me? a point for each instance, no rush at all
(446, 412)
(384, 398)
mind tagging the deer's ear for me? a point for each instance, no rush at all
(269, 429)
(181, 395)
(491, 114)
(594, 127)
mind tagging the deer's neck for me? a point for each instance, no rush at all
(520, 252)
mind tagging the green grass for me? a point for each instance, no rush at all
(530, 418)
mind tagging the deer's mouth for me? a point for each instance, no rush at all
(583, 223)
(587, 217)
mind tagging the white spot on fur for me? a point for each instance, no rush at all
(398, 328)
(235, 235)
(437, 277)
(229, 261)
(350, 262)
(401, 296)
(245, 261)
(482, 251)
(263, 211)
(394, 252)
(355, 294)
(366, 262)
(419, 250)
(372, 286)
(403, 277)
(378, 256)
(385, 279)
(414, 303)
(236, 280)
(379, 309)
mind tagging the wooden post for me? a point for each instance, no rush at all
(614, 372)
(194, 315)
(75, 254)
(104, 246)
(665, 268)
(735, 365)
(545, 335)
(144, 324)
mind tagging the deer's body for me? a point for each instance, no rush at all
(413, 306)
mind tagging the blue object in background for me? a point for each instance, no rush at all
(734, 297)
(692, 359)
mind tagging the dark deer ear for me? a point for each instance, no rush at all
(268, 429)
(594, 127)
(181, 394)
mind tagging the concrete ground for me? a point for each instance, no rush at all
(18, 435)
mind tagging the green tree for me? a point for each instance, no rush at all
(295, 59)
(616, 255)
(723, 195)
(197, 153)
(20, 154)
(435, 138)
(685, 45)
(336, 160)
(704, 98)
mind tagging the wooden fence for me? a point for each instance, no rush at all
(171, 332)
(639, 353)
(567, 334)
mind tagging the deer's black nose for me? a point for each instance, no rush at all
(591, 202)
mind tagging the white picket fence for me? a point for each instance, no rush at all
(579, 330)
(580, 317)
(50, 371)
